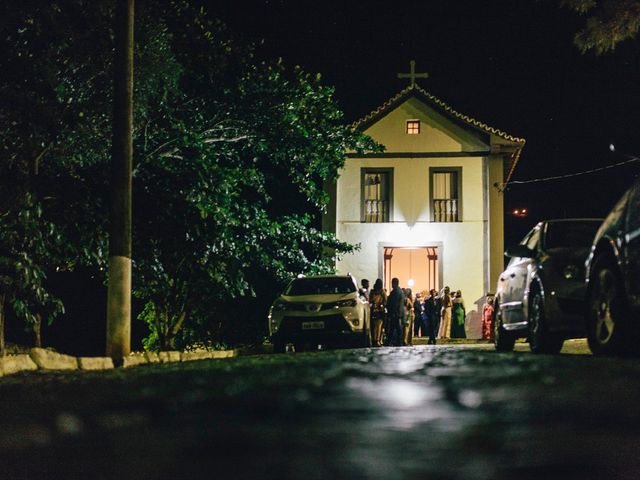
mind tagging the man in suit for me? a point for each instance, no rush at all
(419, 325)
(432, 307)
(396, 312)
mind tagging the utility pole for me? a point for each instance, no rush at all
(119, 291)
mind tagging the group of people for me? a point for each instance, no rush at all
(442, 315)
(398, 317)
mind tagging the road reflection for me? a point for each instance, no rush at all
(443, 412)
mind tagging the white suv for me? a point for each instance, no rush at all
(320, 310)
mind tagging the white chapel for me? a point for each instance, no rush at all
(426, 210)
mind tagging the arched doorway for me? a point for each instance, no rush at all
(416, 267)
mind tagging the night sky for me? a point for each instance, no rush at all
(509, 64)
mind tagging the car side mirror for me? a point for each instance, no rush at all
(519, 251)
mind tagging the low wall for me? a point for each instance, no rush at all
(43, 359)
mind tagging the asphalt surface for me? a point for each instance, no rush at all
(443, 412)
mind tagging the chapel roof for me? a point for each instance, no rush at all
(415, 90)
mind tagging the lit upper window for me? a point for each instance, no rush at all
(376, 194)
(413, 127)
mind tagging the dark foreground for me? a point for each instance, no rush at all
(422, 412)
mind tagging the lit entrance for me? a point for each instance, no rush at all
(415, 267)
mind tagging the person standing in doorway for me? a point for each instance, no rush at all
(445, 314)
(377, 305)
(432, 315)
(419, 328)
(458, 315)
(409, 317)
(396, 313)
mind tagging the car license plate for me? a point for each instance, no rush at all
(312, 325)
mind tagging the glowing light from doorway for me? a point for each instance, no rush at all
(411, 281)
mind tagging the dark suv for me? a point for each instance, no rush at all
(613, 280)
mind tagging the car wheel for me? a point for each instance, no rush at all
(279, 347)
(607, 324)
(503, 340)
(540, 339)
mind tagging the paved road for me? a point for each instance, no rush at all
(444, 412)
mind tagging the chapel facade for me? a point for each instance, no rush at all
(429, 209)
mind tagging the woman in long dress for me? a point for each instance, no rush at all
(458, 314)
(409, 318)
(445, 316)
(377, 303)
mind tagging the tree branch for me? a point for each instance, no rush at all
(229, 140)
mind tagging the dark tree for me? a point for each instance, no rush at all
(608, 22)
(231, 154)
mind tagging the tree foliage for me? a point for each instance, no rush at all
(608, 22)
(26, 240)
(231, 193)
(230, 158)
(53, 81)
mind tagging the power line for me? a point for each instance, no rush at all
(502, 186)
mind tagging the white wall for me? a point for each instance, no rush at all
(462, 249)
(437, 133)
(460, 255)
(411, 187)
(462, 245)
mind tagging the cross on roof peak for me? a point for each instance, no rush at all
(412, 75)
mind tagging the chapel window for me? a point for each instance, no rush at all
(376, 195)
(445, 188)
(413, 127)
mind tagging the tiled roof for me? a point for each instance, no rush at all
(465, 118)
(414, 88)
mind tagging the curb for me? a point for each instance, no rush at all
(48, 360)
(95, 363)
(171, 356)
(16, 363)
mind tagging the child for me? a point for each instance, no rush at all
(487, 319)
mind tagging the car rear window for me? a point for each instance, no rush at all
(570, 234)
(320, 286)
